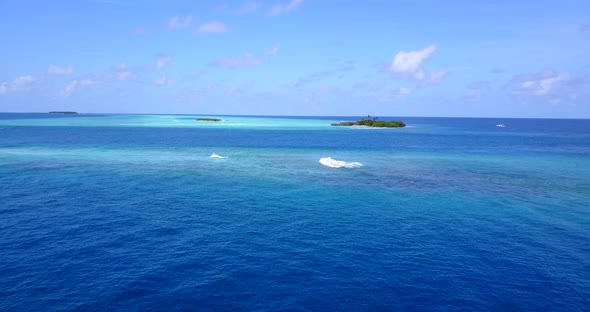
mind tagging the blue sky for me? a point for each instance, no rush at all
(297, 57)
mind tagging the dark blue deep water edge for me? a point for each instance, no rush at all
(130, 212)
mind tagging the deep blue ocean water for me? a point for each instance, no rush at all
(130, 212)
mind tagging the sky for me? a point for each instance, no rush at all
(450, 58)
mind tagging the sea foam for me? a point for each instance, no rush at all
(216, 156)
(333, 163)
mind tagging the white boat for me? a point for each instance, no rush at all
(501, 125)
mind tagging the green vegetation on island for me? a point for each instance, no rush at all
(372, 122)
(63, 112)
(209, 119)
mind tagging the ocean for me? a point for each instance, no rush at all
(131, 212)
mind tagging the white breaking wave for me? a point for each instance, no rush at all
(333, 163)
(216, 156)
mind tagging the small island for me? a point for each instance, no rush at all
(64, 112)
(206, 119)
(372, 122)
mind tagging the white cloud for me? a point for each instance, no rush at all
(542, 86)
(212, 27)
(437, 77)
(548, 86)
(249, 7)
(22, 83)
(162, 61)
(122, 71)
(177, 22)
(162, 81)
(70, 88)
(274, 50)
(432, 78)
(87, 82)
(57, 70)
(279, 9)
(247, 60)
(76, 85)
(538, 84)
(411, 61)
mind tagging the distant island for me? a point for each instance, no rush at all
(64, 112)
(372, 122)
(209, 119)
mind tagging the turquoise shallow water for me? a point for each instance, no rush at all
(165, 121)
(130, 212)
